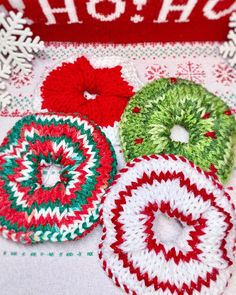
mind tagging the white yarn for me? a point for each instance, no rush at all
(167, 231)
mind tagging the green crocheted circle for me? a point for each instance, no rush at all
(150, 115)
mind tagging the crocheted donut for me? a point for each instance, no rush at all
(169, 228)
(90, 87)
(167, 104)
(54, 169)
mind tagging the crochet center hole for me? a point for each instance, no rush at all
(51, 175)
(166, 229)
(179, 133)
(89, 95)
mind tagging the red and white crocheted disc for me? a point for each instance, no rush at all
(169, 228)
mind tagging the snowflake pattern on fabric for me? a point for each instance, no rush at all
(191, 71)
(155, 71)
(20, 79)
(141, 55)
(224, 74)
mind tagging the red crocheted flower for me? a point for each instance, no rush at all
(100, 94)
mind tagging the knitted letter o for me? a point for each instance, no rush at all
(152, 113)
(169, 228)
(54, 169)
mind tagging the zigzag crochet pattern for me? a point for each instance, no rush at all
(168, 228)
(36, 206)
(151, 114)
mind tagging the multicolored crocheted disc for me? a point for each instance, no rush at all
(169, 228)
(180, 117)
(54, 169)
(90, 87)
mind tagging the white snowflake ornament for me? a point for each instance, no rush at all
(4, 71)
(16, 44)
(5, 97)
(228, 49)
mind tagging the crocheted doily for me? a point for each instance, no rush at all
(54, 169)
(169, 228)
(91, 87)
(180, 117)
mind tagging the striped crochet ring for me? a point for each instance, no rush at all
(54, 169)
(205, 126)
(168, 228)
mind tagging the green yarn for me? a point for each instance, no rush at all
(32, 211)
(150, 115)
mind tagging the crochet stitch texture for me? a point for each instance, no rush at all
(33, 208)
(150, 115)
(79, 87)
(168, 228)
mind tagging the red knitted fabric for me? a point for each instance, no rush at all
(78, 87)
(120, 21)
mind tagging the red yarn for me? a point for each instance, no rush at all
(230, 112)
(173, 80)
(100, 94)
(213, 171)
(211, 134)
(206, 116)
(136, 110)
(199, 225)
(139, 140)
